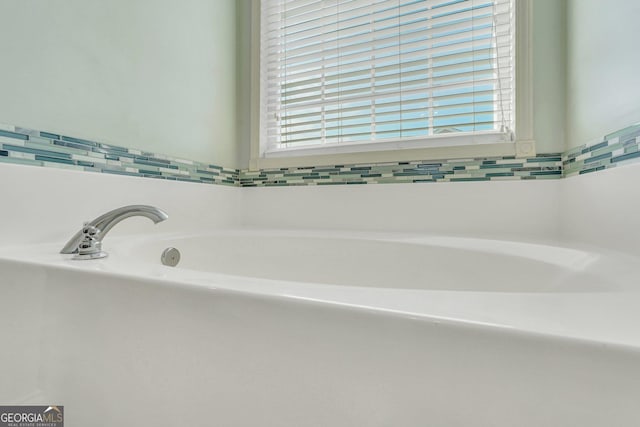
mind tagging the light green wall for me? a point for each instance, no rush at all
(549, 63)
(603, 68)
(154, 75)
(243, 92)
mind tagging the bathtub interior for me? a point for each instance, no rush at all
(388, 260)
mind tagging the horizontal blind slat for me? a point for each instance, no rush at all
(347, 70)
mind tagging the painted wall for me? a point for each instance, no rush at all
(549, 64)
(22, 221)
(158, 76)
(244, 34)
(603, 79)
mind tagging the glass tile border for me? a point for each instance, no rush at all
(616, 149)
(19, 145)
(25, 146)
(544, 166)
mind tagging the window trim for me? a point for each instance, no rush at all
(523, 146)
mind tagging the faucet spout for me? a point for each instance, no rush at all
(87, 242)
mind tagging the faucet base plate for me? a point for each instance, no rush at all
(83, 257)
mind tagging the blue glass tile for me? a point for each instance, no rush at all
(71, 145)
(293, 175)
(156, 160)
(76, 140)
(54, 159)
(112, 153)
(49, 135)
(36, 151)
(111, 148)
(148, 172)
(527, 169)
(505, 166)
(598, 146)
(119, 172)
(321, 170)
(469, 179)
(544, 159)
(161, 165)
(624, 157)
(540, 173)
(599, 168)
(500, 174)
(13, 135)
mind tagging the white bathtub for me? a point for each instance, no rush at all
(301, 328)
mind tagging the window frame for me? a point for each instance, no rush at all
(460, 146)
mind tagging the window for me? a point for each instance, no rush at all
(380, 74)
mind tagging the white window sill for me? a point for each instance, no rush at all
(480, 150)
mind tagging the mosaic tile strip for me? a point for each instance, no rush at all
(616, 149)
(31, 147)
(544, 166)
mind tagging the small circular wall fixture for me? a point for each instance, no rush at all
(170, 257)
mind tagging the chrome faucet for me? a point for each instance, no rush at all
(87, 243)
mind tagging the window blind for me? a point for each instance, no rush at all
(354, 71)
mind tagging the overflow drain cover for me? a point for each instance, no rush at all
(170, 257)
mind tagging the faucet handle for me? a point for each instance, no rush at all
(90, 247)
(89, 230)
